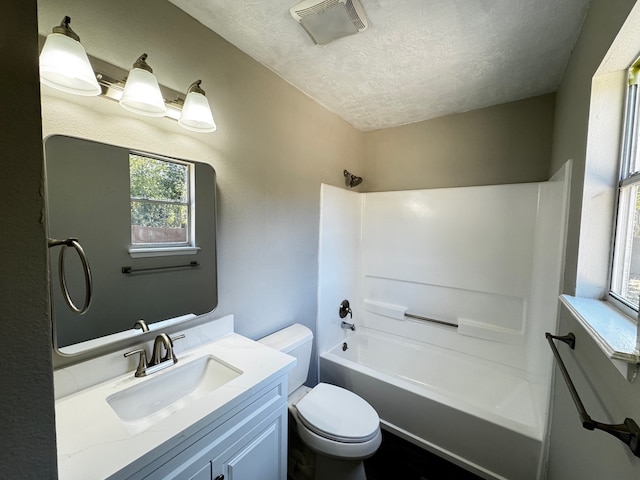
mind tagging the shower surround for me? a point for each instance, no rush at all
(486, 261)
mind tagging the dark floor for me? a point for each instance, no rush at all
(398, 459)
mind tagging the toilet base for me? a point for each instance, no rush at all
(328, 468)
(307, 464)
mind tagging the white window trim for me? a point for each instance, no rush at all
(616, 334)
(142, 250)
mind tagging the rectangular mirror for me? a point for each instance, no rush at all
(147, 226)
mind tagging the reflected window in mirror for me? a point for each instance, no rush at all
(161, 202)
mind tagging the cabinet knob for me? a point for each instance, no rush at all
(219, 477)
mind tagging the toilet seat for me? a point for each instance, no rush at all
(338, 414)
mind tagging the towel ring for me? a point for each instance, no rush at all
(73, 242)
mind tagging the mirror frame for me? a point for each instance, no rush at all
(128, 338)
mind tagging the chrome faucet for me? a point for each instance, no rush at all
(348, 326)
(141, 325)
(162, 344)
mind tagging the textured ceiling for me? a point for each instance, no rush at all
(419, 59)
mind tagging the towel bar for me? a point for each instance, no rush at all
(150, 269)
(628, 431)
(432, 320)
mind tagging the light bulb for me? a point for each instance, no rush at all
(141, 92)
(64, 64)
(196, 112)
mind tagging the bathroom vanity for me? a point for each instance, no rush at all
(219, 413)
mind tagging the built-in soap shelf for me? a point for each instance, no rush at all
(489, 316)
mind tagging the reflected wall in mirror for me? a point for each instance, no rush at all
(92, 196)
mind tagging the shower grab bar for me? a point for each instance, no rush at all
(73, 242)
(150, 269)
(431, 320)
(627, 432)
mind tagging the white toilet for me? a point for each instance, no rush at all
(341, 427)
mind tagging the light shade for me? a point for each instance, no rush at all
(196, 113)
(141, 92)
(64, 64)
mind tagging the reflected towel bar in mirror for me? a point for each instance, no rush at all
(150, 269)
(628, 431)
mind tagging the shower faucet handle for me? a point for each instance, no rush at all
(345, 309)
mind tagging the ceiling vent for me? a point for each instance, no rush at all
(328, 20)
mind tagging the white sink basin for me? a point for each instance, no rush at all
(159, 395)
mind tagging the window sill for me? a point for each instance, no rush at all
(162, 251)
(615, 333)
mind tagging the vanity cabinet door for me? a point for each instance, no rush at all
(259, 455)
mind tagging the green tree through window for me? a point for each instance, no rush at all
(160, 201)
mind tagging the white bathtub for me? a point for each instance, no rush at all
(484, 416)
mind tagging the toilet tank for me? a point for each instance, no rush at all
(296, 341)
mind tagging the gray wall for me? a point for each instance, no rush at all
(270, 151)
(27, 445)
(608, 397)
(509, 143)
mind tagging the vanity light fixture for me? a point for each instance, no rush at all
(141, 91)
(64, 64)
(196, 112)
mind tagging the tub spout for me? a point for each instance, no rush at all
(347, 325)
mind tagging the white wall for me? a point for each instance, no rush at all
(339, 262)
(485, 258)
(462, 255)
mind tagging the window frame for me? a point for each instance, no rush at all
(169, 248)
(629, 177)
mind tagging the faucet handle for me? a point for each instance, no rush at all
(141, 370)
(345, 309)
(173, 352)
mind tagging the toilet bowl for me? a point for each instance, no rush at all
(340, 426)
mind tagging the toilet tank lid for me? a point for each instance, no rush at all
(288, 338)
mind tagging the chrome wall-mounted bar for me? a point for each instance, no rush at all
(73, 242)
(129, 270)
(628, 432)
(431, 320)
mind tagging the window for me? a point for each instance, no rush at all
(625, 277)
(161, 206)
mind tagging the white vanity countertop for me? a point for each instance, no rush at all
(94, 443)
